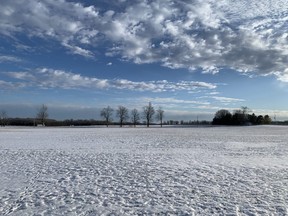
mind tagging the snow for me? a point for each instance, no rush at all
(144, 171)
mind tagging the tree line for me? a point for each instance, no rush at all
(123, 115)
(133, 117)
(239, 117)
(41, 118)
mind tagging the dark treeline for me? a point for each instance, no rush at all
(89, 122)
(190, 122)
(239, 117)
(280, 123)
(52, 122)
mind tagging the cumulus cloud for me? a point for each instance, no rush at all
(283, 77)
(63, 21)
(250, 37)
(50, 78)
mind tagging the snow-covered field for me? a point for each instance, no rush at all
(140, 171)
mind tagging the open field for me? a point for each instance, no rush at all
(130, 171)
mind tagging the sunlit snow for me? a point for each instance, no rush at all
(138, 171)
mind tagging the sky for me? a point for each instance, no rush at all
(190, 57)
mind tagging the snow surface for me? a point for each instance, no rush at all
(141, 171)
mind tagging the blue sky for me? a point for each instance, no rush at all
(192, 58)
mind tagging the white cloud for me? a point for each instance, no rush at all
(63, 21)
(214, 93)
(4, 85)
(172, 100)
(283, 77)
(22, 75)
(227, 99)
(78, 50)
(5, 58)
(50, 78)
(250, 37)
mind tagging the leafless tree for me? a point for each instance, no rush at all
(3, 118)
(160, 115)
(245, 110)
(107, 113)
(42, 114)
(148, 113)
(123, 114)
(135, 117)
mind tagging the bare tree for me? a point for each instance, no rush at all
(107, 113)
(122, 114)
(3, 118)
(135, 117)
(160, 115)
(148, 113)
(245, 110)
(42, 114)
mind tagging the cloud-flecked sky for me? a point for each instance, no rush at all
(190, 57)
